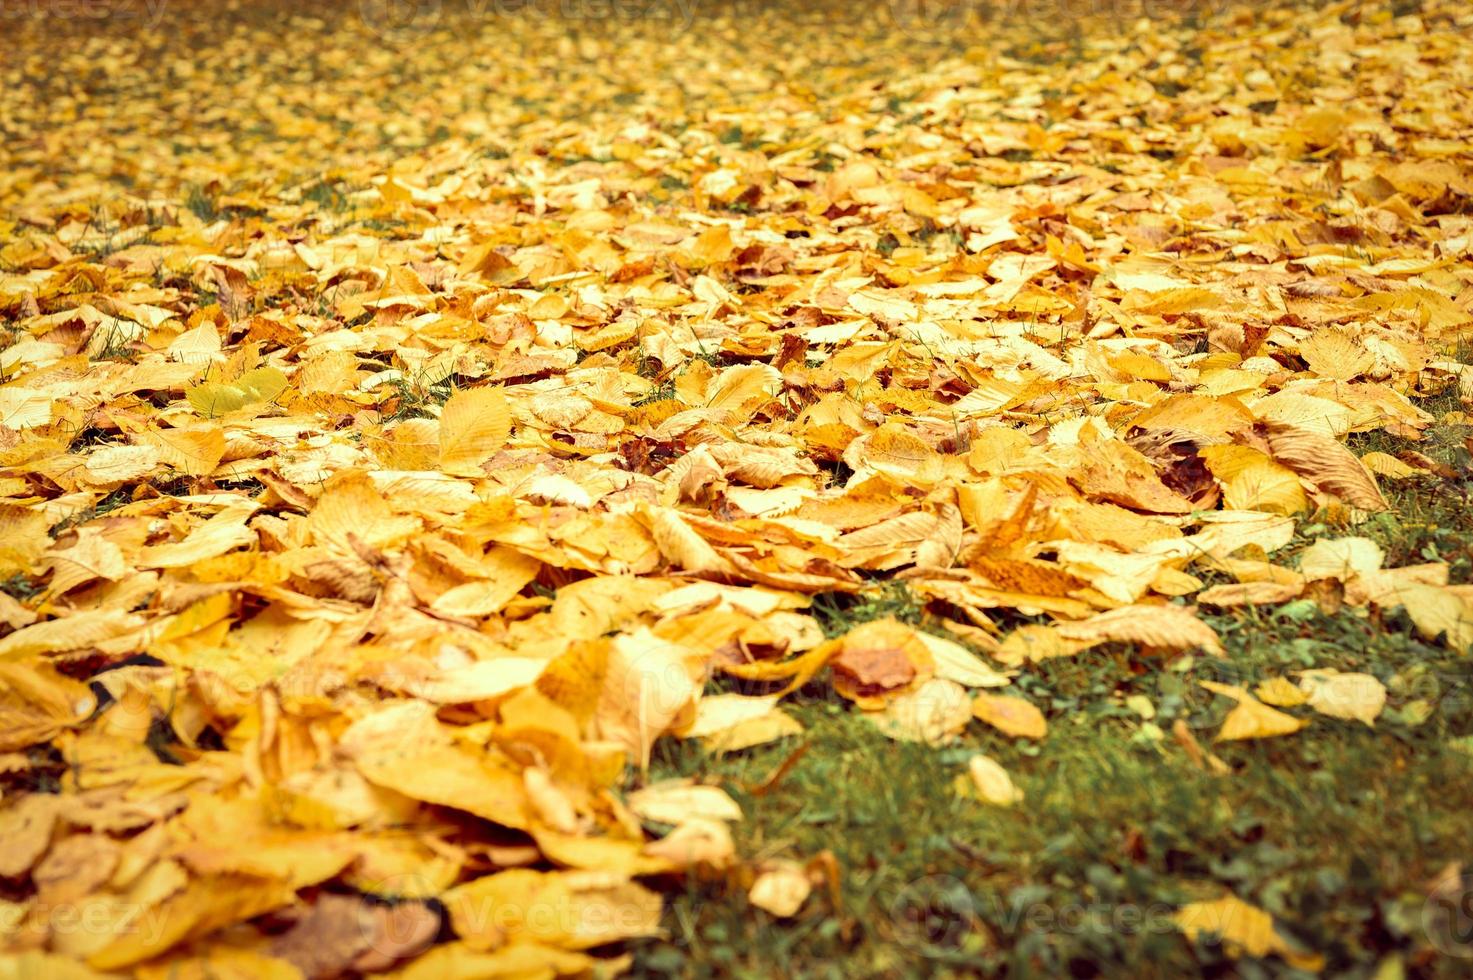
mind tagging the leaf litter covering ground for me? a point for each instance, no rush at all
(404, 429)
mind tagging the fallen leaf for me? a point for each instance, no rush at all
(781, 889)
(474, 425)
(1355, 696)
(1243, 929)
(1251, 718)
(991, 783)
(1010, 715)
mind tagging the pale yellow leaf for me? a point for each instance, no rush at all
(781, 889)
(990, 782)
(1010, 715)
(1355, 696)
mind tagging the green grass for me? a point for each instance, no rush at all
(1335, 830)
(413, 399)
(203, 204)
(1431, 518)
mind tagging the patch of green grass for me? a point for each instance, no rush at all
(204, 205)
(1431, 520)
(328, 196)
(412, 400)
(118, 498)
(839, 612)
(117, 345)
(1335, 830)
(664, 391)
(20, 587)
(1431, 516)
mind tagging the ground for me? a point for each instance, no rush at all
(415, 415)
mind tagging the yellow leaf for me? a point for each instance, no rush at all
(933, 713)
(1251, 718)
(781, 889)
(990, 782)
(514, 961)
(1161, 627)
(900, 454)
(1032, 643)
(765, 728)
(1340, 558)
(1384, 464)
(23, 538)
(194, 451)
(1243, 929)
(1355, 696)
(474, 425)
(1252, 481)
(484, 785)
(224, 532)
(1325, 462)
(675, 800)
(36, 703)
(955, 662)
(216, 398)
(1280, 693)
(719, 712)
(1435, 612)
(1249, 594)
(32, 964)
(1335, 354)
(1010, 715)
(78, 631)
(220, 962)
(204, 905)
(740, 388)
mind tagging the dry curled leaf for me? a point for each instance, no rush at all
(1325, 462)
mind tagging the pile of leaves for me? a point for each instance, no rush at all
(405, 424)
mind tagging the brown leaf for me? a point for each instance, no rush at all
(1325, 462)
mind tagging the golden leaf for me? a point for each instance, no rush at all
(474, 425)
(1010, 715)
(36, 703)
(1251, 718)
(1243, 929)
